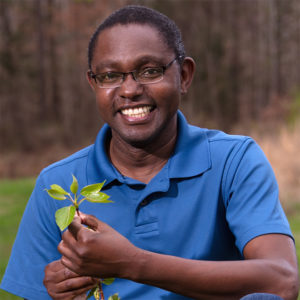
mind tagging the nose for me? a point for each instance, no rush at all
(130, 88)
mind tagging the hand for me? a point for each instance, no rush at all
(62, 283)
(97, 252)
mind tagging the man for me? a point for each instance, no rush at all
(196, 212)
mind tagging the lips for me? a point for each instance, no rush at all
(137, 112)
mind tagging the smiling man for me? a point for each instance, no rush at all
(139, 106)
(196, 212)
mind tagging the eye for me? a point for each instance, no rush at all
(109, 77)
(151, 72)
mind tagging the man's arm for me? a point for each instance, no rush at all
(270, 264)
(271, 271)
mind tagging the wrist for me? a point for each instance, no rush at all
(137, 265)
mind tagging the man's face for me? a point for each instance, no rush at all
(138, 114)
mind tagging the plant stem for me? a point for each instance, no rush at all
(101, 290)
(81, 201)
(71, 199)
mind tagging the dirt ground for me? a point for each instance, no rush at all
(282, 150)
(19, 164)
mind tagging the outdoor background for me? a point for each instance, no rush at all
(247, 82)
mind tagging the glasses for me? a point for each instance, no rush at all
(145, 75)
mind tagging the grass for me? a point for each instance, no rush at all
(294, 219)
(13, 198)
(14, 195)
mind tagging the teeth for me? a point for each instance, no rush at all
(136, 112)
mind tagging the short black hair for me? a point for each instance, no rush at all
(137, 14)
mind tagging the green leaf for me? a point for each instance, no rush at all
(108, 281)
(56, 195)
(74, 185)
(98, 197)
(114, 297)
(58, 189)
(97, 293)
(92, 188)
(91, 293)
(64, 216)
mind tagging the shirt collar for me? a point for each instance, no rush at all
(99, 167)
(191, 155)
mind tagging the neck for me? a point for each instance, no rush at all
(141, 163)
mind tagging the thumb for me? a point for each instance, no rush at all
(75, 226)
(90, 221)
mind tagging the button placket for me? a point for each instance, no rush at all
(146, 213)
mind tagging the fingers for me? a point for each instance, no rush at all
(67, 246)
(74, 249)
(54, 266)
(78, 283)
(62, 283)
(68, 249)
(57, 272)
(75, 233)
(75, 227)
(91, 221)
(80, 245)
(68, 290)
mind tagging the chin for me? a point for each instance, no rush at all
(139, 141)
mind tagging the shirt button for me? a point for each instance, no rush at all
(144, 202)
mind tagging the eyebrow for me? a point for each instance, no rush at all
(138, 62)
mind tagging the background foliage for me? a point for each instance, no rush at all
(247, 54)
(247, 81)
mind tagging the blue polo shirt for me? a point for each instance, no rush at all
(215, 194)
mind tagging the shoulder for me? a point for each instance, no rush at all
(74, 159)
(227, 151)
(73, 164)
(200, 149)
(220, 137)
(221, 143)
(233, 149)
(229, 145)
(212, 139)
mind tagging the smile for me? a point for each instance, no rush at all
(138, 112)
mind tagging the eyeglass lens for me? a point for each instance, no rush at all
(145, 76)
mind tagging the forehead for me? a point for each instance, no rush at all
(129, 43)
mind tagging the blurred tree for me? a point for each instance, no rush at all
(39, 19)
(54, 70)
(247, 54)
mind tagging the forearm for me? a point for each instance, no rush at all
(209, 279)
(270, 264)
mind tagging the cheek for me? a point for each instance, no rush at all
(104, 101)
(168, 94)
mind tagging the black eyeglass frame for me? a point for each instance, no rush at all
(134, 74)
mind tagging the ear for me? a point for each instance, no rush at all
(187, 74)
(90, 80)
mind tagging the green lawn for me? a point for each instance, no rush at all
(13, 197)
(294, 219)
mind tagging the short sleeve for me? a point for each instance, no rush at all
(35, 247)
(251, 195)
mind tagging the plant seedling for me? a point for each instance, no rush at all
(65, 215)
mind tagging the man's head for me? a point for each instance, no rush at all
(138, 77)
(133, 14)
